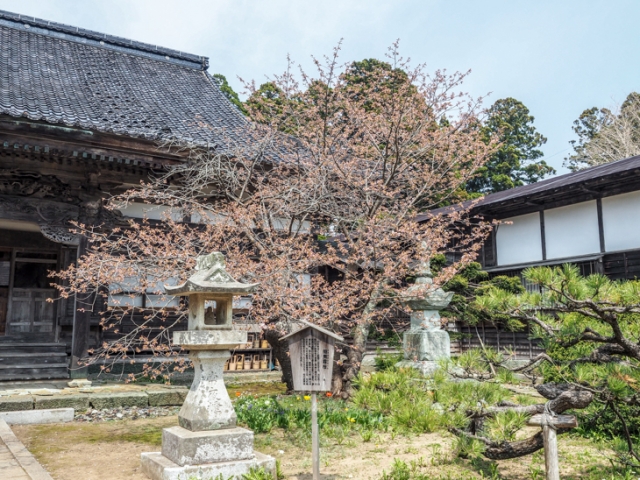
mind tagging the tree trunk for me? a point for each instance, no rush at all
(521, 448)
(281, 352)
(562, 397)
(356, 351)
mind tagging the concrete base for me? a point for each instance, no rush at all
(165, 397)
(184, 447)
(77, 402)
(158, 467)
(426, 345)
(32, 417)
(119, 399)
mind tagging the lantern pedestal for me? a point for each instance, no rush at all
(207, 406)
(425, 341)
(424, 348)
(207, 443)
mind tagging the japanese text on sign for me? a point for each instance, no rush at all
(310, 362)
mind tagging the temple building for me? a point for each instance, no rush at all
(82, 116)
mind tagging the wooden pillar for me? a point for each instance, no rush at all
(81, 325)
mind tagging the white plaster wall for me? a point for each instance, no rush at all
(279, 223)
(621, 221)
(519, 241)
(210, 218)
(151, 212)
(572, 230)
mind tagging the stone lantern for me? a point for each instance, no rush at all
(207, 443)
(425, 342)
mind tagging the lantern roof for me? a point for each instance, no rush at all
(423, 295)
(306, 325)
(211, 276)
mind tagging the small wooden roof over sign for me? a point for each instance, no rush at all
(306, 325)
(211, 277)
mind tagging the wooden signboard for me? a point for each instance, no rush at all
(311, 350)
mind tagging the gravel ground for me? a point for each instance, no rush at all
(124, 413)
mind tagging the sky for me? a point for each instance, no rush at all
(557, 57)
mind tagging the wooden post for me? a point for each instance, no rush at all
(81, 326)
(549, 425)
(551, 452)
(315, 437)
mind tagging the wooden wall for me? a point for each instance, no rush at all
(622, 265)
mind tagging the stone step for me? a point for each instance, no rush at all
(12, 358)
(34, 365)
(51, 372)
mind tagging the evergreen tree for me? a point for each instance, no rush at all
(517, 161)
(229, 92)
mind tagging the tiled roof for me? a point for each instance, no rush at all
(626, 167)
(78, 78)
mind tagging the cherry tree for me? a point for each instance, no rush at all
(315, 200)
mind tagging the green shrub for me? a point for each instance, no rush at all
(262, 414)
(386, 361)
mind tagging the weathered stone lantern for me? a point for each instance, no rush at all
(425, 343)
(207, 443)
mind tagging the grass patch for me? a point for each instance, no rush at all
(133, 431)
(258, 388)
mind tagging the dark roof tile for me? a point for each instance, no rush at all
(625, 166)
(78, 78)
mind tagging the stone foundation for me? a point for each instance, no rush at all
(426, 368)
(184, 447)
(158, 467)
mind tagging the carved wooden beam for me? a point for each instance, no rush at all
(52, 217)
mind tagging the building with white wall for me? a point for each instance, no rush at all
(590, 218)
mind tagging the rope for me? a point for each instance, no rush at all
(548, 413)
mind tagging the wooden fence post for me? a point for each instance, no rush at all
(549, 424)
